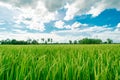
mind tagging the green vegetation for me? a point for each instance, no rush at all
(50, 41)
(60, 62)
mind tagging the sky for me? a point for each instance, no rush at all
(61, 20)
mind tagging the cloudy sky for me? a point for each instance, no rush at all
(62, 20)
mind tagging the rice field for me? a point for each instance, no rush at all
(60, 62)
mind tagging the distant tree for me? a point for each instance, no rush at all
(34, 41)
(105, 42)
(29, 41)
(90, 41)
(109, 41)
(13, 41)
(7, 41)
(98, 41)
(49, 40)
(75, 42)
(70, 41)
(2, 42)
(19, 42)
(43, 40)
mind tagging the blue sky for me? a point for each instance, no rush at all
(62, 20)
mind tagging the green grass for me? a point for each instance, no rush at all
(60, 62)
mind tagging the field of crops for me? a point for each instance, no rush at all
(60, 62)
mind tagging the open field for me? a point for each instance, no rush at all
(60, 62)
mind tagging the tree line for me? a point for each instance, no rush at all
(90, 41)
(50, 41)
(23, 42)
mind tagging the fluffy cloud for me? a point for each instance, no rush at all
(101, 32)
(79, 7)
(54, 5)
(5, 5)
(19, 31)
(49, 4)
(98, 7)
(78, 25)
(72, 10)
(33, 15)
(118, 27)
(74, 7)
(31, 18)
(88, 30)
(25, 36)
(59, 24)
(21, 3)
(2, 22)
(7, 12)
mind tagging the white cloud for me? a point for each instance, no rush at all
(96, 10)
(35, 13)
(118, 27)
(72, 10)
(2, 22)
(101, 32)
(59, 24)
(35, 18)
(74, 7)
(114, 35)
(81, 32)
(79, 7)
(5, 5)
(36, 26)
(19, 31)
(54, 5)
(96, 29)
(21, 3)
(76, 25)
(67, 27)
(26, 36)
(7, 12)
(2, 29)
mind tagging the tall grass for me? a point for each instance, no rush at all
(60, 62)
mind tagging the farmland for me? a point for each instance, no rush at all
(60, 62)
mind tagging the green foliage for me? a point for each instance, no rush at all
(70, 41)
(90, 41)
(75, 42)
(60, 62)
(16, 42)
(34, 42)
(109, 41)
(50, 41)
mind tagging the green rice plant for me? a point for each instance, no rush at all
(60, 62)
